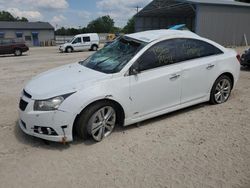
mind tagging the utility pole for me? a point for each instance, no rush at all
(137, 8)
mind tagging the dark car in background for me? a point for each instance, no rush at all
(245, 58)
(12, 46)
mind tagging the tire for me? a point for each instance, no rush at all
(17, 52)
(221, 90)
(94, 48)
(69, 49)
(91, 121)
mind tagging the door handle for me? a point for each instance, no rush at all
(174, 76)
(210, 66)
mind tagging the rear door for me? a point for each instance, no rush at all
(86, 42)
(199, 68)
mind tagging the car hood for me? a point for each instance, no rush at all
(63, 80)
(66, 44)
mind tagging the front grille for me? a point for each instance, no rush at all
(23, 104)
(27, 94)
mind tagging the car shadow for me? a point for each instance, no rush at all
(161, 117)
(37, 142)
(12, 55)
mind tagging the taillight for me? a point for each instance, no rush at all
(238, 57)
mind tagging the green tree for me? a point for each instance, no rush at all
(61, 31)
(130, 27)
(6, 16)
(103, 24)
(23, 19)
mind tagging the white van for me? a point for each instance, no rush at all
(89, 41)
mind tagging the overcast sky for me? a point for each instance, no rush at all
(72, 13)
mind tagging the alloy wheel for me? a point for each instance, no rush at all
(222, 91)
(102, 123)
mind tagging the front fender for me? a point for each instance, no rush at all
(81, 99)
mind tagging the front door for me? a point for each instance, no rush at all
(77, 44)
(157, 86)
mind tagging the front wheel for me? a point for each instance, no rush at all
(69, 50)
(221, 90)
(97, 120)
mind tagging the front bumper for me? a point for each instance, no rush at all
(61, 49)
(57, 120)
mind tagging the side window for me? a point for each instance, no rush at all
(192, 49)
(175, 50)
(77, 40)
(161, 54)
(86, 39)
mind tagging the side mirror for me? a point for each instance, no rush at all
(134, 70)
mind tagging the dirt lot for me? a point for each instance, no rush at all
(202, 147)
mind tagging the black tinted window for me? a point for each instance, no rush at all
(86, 39)
(161, 54)
(174, 51)
(191, 49)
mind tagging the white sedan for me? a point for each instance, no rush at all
(137, 77)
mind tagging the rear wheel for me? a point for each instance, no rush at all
(97, 121)
(221, 90)
(18, 52)
(94, 48)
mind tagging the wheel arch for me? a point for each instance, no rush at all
(121, 112)
(17, 48)
(230, 75)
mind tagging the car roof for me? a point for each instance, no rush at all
(86, 34)
(152, 35)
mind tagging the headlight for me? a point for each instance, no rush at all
(50, 104)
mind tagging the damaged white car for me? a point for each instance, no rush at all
(137, 77)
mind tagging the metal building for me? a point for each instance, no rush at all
(33, 33)
(224, 21)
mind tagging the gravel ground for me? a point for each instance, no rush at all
(199, 147)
